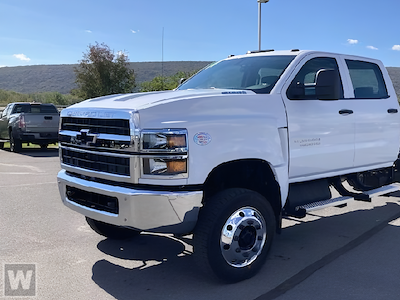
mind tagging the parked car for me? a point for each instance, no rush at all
(25, 122)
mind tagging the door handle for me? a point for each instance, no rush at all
(345, 112)
(392, 111)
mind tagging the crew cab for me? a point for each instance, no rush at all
(24, 122)
(234, 149)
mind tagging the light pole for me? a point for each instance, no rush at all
(259, 22)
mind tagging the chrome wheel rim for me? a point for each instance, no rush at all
(243, 237)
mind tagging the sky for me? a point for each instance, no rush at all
(48, 32)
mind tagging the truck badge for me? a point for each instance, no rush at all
(202, 138)
(85, 138)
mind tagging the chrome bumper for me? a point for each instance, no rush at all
(155, 211)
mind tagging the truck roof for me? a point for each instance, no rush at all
(296, 52)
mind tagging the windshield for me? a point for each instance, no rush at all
(258, 73)
(34, 108)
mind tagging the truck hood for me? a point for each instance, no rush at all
(184, 109)
(140, 101)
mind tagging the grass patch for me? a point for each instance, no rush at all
(31, 146)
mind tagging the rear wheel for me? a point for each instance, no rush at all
(370, 180)
(234, 234)
(111, 231)
(1, 145)
(15, 143)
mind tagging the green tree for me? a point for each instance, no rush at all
(101, 73)
(163, 83)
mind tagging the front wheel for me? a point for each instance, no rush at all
(234, 234)
(111, 231)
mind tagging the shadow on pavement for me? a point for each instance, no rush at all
(157, 258)
(36, 152)
(161, 268)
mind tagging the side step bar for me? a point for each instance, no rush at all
(344, 200)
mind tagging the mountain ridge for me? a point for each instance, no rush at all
(61, 78)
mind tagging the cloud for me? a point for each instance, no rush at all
(22, 57)
(88, 31)
(372, 48)
(396, 47)
(352, 42)
(134, 31)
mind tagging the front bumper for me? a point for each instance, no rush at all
(146, 210)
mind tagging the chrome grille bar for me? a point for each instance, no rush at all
(105, 126)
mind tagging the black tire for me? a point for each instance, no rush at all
(248, 221)
(111, 231)
(15, 143)
(360, 183)
(44, 146)
(1, 145)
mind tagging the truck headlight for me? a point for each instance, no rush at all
(167, 140)
(165, 166)
(164, 153)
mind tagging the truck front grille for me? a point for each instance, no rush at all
(96, 162)
(106, 126)
(93, 200)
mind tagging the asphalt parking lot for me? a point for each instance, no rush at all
(348, 253)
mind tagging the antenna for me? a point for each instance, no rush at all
(162, 60)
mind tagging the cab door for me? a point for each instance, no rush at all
(376, 114)
(321, 132)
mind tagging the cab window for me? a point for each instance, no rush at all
(367, 79)
(5, 111)
(303, 86)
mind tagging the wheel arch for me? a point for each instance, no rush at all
(252, 174)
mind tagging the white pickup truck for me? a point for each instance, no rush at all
(234, 149)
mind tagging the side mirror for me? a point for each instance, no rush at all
(182, 80)
(296, 91)
(327, 85)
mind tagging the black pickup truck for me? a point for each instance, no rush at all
(25, 122)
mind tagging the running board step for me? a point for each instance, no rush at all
(360, 196)
(339, 201)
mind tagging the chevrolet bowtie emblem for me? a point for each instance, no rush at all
(85, 137)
